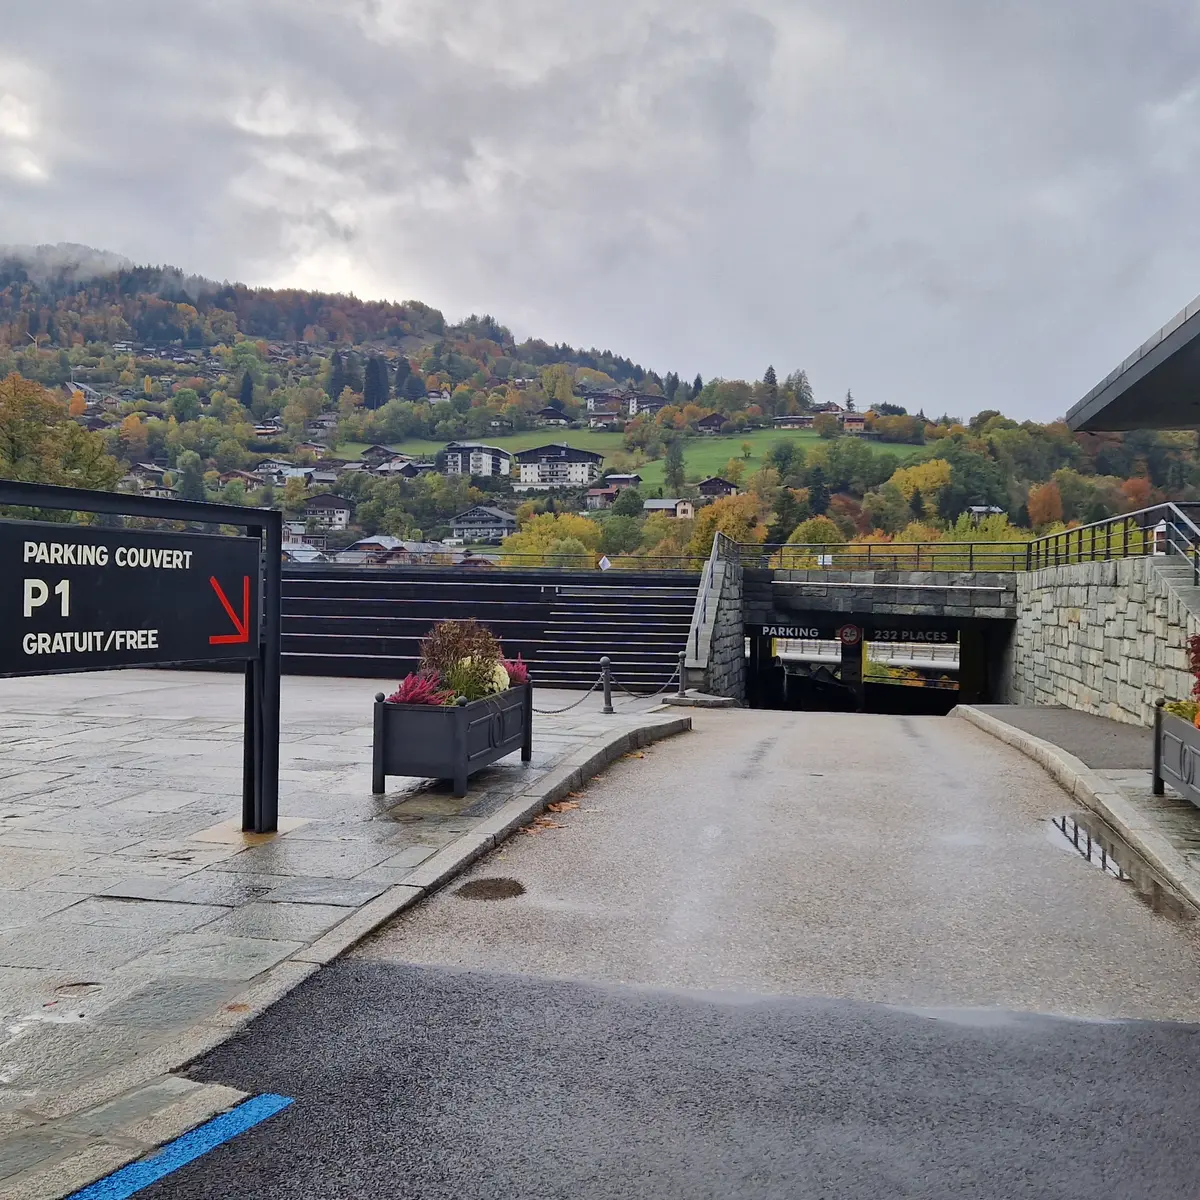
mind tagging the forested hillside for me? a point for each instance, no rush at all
(196, 384)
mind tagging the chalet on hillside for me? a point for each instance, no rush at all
(601, 497)
(715, 487)
(551, 416)
(681, 510)
(793, 421)
(712, 423)
(332, 512)
(483, 524)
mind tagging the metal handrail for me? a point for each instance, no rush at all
(1161, 529)
(897, 556)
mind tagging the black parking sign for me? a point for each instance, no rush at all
(83, 598)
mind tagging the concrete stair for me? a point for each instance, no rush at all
(369, 622)
(1180, 577)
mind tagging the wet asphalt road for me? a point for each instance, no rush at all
(791, 955)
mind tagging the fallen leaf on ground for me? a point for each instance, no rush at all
(563, 806)
(538, 824)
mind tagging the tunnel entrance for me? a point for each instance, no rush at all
(849, 663)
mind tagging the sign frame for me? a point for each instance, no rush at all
(260, 743)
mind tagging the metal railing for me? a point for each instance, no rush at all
(1162, 529)
(887, 556)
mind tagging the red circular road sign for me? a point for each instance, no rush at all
(849, 635)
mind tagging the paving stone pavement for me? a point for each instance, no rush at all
(132, 907)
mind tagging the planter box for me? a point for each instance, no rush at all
(434, 742)
(1176, 755)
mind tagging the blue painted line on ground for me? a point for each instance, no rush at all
(183, 1150)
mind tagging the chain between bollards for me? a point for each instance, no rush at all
(606, 676)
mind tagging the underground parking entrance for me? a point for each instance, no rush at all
(860, 662)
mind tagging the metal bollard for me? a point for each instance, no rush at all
(682, 681)
(606, 675)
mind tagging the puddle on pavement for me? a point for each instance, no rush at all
(1098, 844)
(491, 889)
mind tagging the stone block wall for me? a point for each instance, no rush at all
(1107, 638)
(719, 665)
(770, 595)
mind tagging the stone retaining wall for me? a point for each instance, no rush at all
(1107, 638)
(955, 594)
(716, 661)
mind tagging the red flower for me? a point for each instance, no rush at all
(420, 689)
(518, 671)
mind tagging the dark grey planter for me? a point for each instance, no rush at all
(1176, 755)
(434, 742)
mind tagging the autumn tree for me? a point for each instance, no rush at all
(78, 405)
(190, 473)
(1044, 505)
(39, 443)
(737, 517)
(826, 425)
(816, 531)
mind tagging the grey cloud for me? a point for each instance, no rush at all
(944, 205)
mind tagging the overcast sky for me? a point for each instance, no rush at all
(947, 204)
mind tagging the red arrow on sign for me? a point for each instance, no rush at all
(242, 626)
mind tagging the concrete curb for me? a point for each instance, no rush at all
(66, 1174)
(1096, 793)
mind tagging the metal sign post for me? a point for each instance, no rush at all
(90, 598)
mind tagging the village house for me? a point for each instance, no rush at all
(621, 480)
(606, 420)
(551, 416)
(483, 524)
(681, 510)
(329, 511)
(793, 421)
(712, 423)
(646, 404)
(247, 477)
(715, 487)
(601, 497)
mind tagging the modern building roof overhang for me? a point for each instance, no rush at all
(1156, 387)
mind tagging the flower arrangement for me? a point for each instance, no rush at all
(461, 661)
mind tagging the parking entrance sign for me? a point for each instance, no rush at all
(84, 598)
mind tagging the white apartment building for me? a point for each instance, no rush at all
(471, 458)
(556, 466)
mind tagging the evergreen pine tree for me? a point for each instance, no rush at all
(697, 385)
(670, 385)
(916, 505)
(414, 387)
(818, 492)
(337, 376)
(674, 466)
(770, 391)
(403, 371)
(246, 391)
(375, 385)
(849, 401)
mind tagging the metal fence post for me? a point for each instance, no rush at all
(682, 682)
(606, 675)
(1159, 790)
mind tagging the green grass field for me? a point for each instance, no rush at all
(702, 456)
